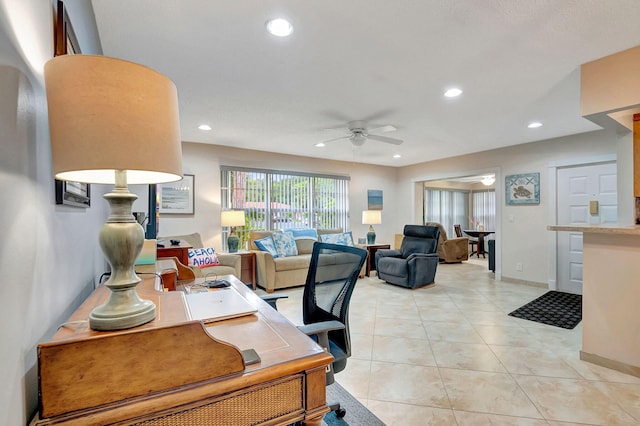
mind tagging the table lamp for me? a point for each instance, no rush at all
(232, 218)
(114, 122)
(371, 217)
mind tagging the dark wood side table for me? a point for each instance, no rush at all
(248, 267)
(181, 251)
(371, 255)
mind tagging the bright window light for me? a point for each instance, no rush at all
(279, 27)
(204, 127)
(453, 92)
(534, 125)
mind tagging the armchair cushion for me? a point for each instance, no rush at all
(230, 264)
(203, 257)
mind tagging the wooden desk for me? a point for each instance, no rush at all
(181, 251)
(174, 371)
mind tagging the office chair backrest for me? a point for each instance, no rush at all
(332, 276)
(419, 239)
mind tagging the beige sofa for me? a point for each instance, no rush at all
(283, 272)
(230, 264)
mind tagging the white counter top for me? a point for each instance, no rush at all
(599, 229)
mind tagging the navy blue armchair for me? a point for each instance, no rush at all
(416, 262)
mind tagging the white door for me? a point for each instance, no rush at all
(577, 187)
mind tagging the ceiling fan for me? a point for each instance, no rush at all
(359, 133)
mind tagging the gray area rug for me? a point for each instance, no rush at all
(357, 414)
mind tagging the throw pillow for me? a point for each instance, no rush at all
(345, 238)
(303, 234)
(267, 244)
(203, 257)
(285, 244)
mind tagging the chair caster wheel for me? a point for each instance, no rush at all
(340, 413)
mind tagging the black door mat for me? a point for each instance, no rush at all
(554, 308)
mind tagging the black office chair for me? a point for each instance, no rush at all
(332, 276)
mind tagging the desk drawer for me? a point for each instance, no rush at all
(251, 406)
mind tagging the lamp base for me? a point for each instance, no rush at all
(371, 237)
(232, 243)
(108, 317)
(121, 240)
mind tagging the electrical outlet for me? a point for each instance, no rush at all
(519, 266)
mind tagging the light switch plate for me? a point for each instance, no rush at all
(593, 206)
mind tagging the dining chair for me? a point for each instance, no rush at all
(473, 242)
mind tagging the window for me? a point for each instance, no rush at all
(284, 200)
(447, 207)
(484, 208)
(467, 208)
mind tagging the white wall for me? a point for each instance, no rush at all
(49, 255)
(204, 162)
(522, 235)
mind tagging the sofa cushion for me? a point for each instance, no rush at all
(303, 233)
(267, 244)
(285, 244)
(203, 257)
(305, 237)
(291, 263)
(344, 238)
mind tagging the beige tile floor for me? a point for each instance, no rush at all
(449, 354)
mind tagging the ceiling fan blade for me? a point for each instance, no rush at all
(385, 139)
(385, 128)
(335, 139)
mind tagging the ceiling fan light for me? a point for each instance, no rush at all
(453, 92)
(488, 180)
(358, 139)
(279, 27)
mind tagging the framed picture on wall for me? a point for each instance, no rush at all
(66, 42)
(374, 199)
(522, 189)
(74, 194)
(177, 197)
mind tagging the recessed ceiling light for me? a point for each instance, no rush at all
(534, 125)
(204, 127)
(319, 145)
(397, 156)
(453, 92)
(279, 27)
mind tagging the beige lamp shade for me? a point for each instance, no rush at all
(108, 114)
(232, 218)
(371, 217)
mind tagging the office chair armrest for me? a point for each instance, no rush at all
(321, 327)
(321, 331)
(272, 299)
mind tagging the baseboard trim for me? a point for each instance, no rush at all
(609, 363)
(524, 282)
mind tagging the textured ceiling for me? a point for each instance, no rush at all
(388, 62)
